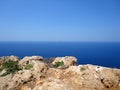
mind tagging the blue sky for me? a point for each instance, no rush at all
(59, 20)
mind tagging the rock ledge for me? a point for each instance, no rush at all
(61, 73)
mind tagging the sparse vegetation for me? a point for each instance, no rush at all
(28, 66)
(57, 64)
(82, 69)
(10, 67)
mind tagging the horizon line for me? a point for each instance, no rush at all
(59, 41)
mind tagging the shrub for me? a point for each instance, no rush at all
(57, 64)
(10, 67)
(28, 66)
(1, 69)
(82, 69)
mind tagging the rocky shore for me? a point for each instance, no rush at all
(60, 73)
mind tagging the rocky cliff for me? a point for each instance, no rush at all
(60, 73)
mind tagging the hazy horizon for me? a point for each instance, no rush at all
(68, 41)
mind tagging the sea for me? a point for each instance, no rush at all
(105, 54)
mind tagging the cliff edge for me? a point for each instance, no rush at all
(60, 73)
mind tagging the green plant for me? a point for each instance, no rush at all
(1, 69)
(28, 66)
(82, 69)
(10, 67)
(57, 64)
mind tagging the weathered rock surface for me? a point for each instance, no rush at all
(43, 77)
(68, 61)
(6, 58)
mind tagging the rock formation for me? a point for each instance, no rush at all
(35, 74)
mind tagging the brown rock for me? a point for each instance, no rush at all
(43, 77)
(108, 78)
(6, 58)
(30, 60)
(24, 76)
(68, 61)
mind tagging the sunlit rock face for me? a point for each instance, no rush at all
(6, 58)
(35, 74)
(67, 60)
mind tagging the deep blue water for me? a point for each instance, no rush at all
(97, 53)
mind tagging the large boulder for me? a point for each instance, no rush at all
(109, 78)
(36, 72)
(6, 58)
(30, 60)
(82, 77)
(67, 60)
(12, 57)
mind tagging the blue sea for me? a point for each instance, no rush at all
(97, 53)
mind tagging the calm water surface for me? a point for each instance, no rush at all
(98, 53)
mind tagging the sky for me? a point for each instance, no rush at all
(60, 20)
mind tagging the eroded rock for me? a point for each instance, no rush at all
(6, 58)
(12, 57)
(68, 61)
(42, 77)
